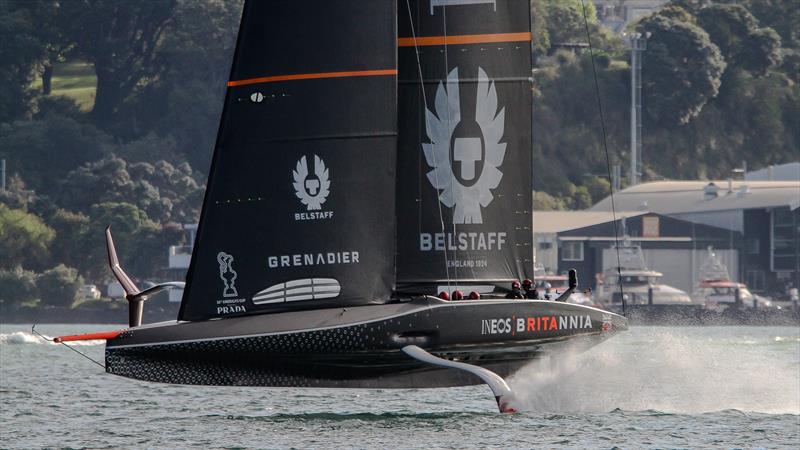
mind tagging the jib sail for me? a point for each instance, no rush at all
(464, 168)
(300, 205)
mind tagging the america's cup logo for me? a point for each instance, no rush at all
(312, 188)
(465, 169)
(227, 274)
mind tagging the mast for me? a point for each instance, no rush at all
(299, 207)
(464, 165)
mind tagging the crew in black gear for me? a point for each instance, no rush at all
(530, 291)
(516, 291)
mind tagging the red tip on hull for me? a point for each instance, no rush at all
(106, 335)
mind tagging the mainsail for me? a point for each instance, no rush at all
(464, 164)
(300, 205)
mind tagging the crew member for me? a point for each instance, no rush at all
(516, 291)
(530, 291)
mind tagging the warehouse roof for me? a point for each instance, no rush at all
(557, 221)
(673, 197)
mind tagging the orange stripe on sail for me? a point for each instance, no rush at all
(313, 76)
(464, 39)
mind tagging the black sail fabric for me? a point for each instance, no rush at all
(299, 208)
(464, 163)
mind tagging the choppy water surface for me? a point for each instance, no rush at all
(650, 387)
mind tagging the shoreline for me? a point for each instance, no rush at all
(57, 315)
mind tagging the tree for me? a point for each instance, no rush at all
(682, 70)
(59, 286)
(743, 44)
(19, 52)
(780, 15)
(581, 198)
(598, 188)
(44, 151)
(48, 30)
(121, 39)
(24, 239)
(567, 138)
(540, 40)
(565, 21)
(164, 191)
(72, 239)
(196, 55)
(542, 201)
(16, 287)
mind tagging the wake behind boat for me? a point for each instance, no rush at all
(367, 209)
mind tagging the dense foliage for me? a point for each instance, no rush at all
(130, 159)
(721, 85)
(131, 143)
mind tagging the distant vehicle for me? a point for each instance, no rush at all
(89, 292)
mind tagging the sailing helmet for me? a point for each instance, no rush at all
(444, 295)
(527, 284)
(474, 295)
(515, 285)
(458, 295)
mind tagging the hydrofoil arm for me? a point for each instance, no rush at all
(134, 296)
(502, 393)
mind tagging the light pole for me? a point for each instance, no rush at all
(638, 45)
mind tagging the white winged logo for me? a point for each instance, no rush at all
(440, 126)
(312, 189)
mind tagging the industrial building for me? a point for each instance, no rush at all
(584, 240)
(762, 216)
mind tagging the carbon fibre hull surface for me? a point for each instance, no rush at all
(359, 347)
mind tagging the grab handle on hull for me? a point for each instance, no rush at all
(502, 393)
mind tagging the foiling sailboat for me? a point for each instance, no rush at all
(373, 160)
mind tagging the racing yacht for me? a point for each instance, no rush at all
(367, 209)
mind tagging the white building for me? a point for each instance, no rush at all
(765, 213)
(617, 14)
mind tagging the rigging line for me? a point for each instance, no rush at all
(425, 102)
(449, 126)
(608, 158)
(33, 330)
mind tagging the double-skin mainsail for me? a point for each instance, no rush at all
(332, 187)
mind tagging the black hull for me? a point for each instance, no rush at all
(359, 347)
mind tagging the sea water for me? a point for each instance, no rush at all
(649, 387)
